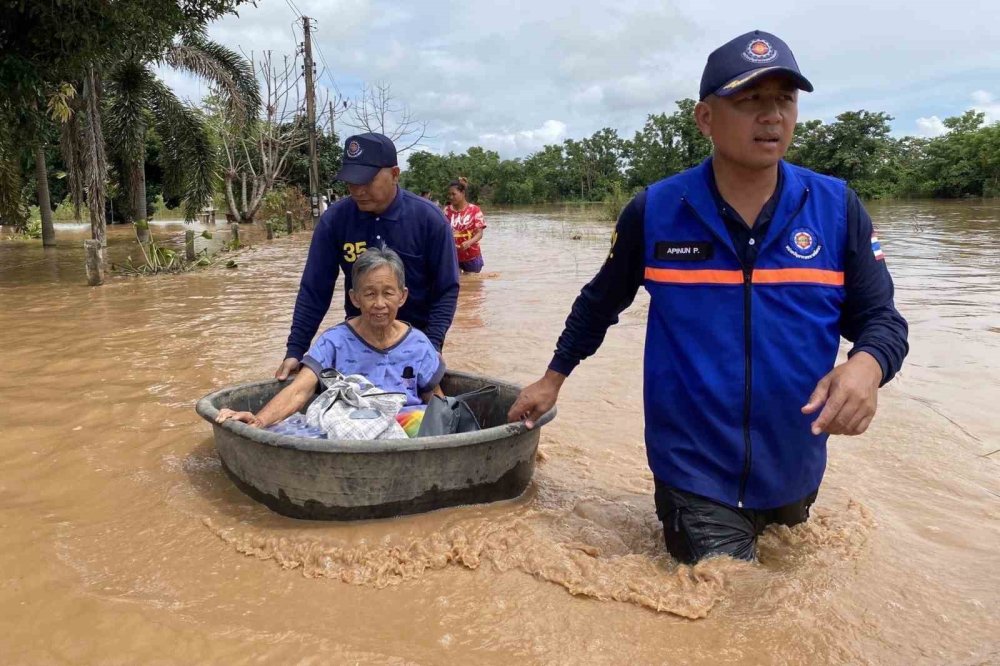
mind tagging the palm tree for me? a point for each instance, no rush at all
(136, 100)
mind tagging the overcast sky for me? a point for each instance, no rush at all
(515, 75)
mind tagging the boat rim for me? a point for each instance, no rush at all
(208, 411)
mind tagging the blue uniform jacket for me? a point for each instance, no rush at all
(734, 350)
(411, 226)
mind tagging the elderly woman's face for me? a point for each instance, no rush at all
(378, 296)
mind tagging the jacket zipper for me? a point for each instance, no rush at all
(747, 383)
(747, 349)
(748, 364)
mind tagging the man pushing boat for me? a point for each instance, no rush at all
(755, 269)
(378, 213)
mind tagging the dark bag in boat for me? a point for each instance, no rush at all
(449, 416)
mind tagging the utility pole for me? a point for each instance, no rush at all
(310, 71)
(333, 139)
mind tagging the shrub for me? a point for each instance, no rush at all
(615, 201)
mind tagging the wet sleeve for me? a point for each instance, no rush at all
(430, 370)
(869, 317)
(442, 262)
(315, 289)
(479, 221)
(323, 353)
(611, 291)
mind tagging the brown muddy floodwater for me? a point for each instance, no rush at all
(123, 542)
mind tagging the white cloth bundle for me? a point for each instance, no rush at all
(352, 407)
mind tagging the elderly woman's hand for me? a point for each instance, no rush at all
(245, 417)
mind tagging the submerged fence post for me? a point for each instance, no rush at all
(270, 230)
(189, 244)
(288, 221)
(236, 234)
(95, 263)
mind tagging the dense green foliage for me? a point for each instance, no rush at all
(49, 49)
(329, 157)
(856, 147)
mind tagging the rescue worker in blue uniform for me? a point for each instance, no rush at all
(377, 213)
(755, 269)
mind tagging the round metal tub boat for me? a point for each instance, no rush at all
(323, 479)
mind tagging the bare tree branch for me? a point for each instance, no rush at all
(257, 154)
(376, 110)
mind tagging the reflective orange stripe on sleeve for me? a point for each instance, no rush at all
(760, 276)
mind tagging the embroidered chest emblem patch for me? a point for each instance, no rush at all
(803, 244)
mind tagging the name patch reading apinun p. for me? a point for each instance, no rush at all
(683, 251)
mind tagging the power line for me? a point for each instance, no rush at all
(328, 70)
(295, 10)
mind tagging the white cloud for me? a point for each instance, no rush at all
(184, 86)
(478, 71)
(930, 127)
(525, 141)
(445, 105)
(635, 91)
(988, 104)
(591, 96)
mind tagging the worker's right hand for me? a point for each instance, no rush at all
(536, 399)
(288, 367)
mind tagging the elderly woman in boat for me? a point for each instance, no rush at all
(392, 354)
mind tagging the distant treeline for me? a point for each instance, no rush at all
(964, 162)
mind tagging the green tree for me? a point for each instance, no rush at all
(433, 173)
(547, 175)
(136, 100)
(603, 151)
(904, 170)
(857, 148)
(330, 158)
(53, 56)
(666, 145)
(427, 172)
(964, 161)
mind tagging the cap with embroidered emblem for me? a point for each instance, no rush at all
(364, 156)
(742, 61)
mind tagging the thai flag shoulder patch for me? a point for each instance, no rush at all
(877, 248)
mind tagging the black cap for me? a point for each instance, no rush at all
(739, 62)
(364, 156)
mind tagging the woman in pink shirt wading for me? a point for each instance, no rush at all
(467, 224)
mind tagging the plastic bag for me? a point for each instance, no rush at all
(296, 426)
(449, 416)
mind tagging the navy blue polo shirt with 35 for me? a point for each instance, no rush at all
(869, 318)
(411, 226)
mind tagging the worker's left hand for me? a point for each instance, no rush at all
(848, 395)
(246, 417)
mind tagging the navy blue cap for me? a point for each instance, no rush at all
(364, 156)
(741, 61)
